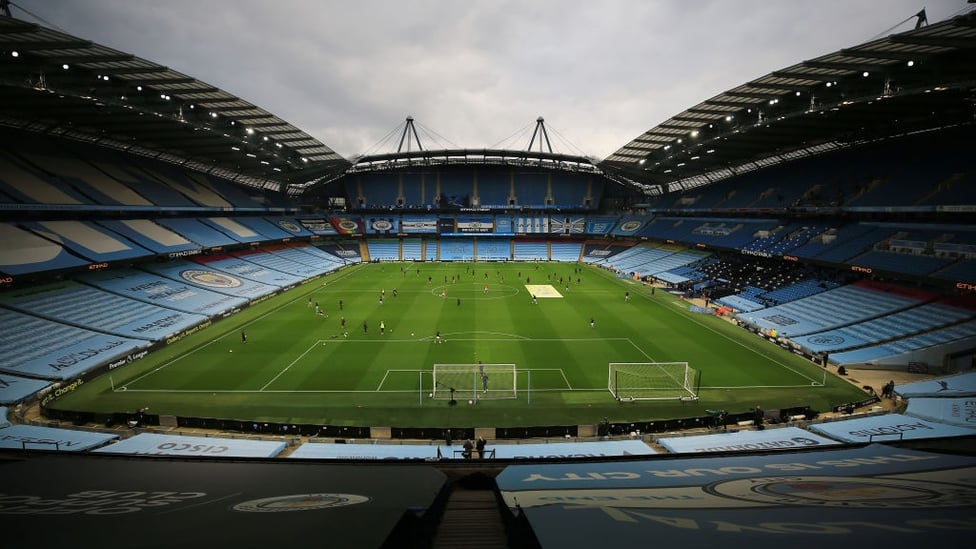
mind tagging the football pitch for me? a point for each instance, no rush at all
(359, 348)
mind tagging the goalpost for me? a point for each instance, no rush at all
(653, 381)
(474, 382)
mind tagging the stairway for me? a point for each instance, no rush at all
(472, 519)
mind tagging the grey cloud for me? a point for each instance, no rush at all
(475, 72)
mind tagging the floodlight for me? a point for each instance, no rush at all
(679, 140)
(694, 133)
(105, 78)
(65, 66)
(249, 131)
(641, 161)
(15, 53)
(829, 84)
(865, 74)
(910, 63)
(138, 88)
(213, 115)
(798, 94)
(728, 118)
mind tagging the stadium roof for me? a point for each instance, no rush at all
(914, 81)
(52, 82)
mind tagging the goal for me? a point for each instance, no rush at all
(653, 381)
(474, 381)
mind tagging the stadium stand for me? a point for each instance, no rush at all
(833, 308)
(195, 231)
(88, 240)
(150, 235)
(249, 270)
(383, 250)
(494, 250)
(411, 249)
(23, 252)
(531, 251)
(163, 292)
(566, 251)
(95, 309)
(35, 347)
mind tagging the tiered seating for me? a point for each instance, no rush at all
(743, 301)
(493, 186)
(86, 239)
(195, 231)
(22, 252)
(963, 270)
(830, 309)
(233, 229)
(151, 236)
(601, 253)
(745, 233)
(197, 191)
(430, 249)
(212, 279)
(915, 264)
(321, 259)
(265, 228)
(915, 320)
(31, 187)
(531, 251)
(679, 275)
(566, 251)
(531, 189)
(907, 345)
(333, 252)
(279, 261)
(412, 249)
(163, 292)
(671, 261)
(103, 311)
(796, 291)
(99, 185)
(494, 250)
(379, 189)
(456, 186)
(249, 270)
(383, 250)
(852, 240)
(457, 249)
(35, 347)
(120, 169)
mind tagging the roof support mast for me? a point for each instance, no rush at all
(409, 134)
(540, 130)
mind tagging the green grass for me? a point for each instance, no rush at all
(298, 367)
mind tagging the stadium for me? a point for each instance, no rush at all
(779, 279)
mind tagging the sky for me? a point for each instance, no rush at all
(476, 74)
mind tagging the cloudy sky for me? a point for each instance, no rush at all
(478, 73)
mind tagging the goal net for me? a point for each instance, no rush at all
(474, 381)
(653, 381)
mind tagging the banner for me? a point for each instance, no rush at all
(413, 224)
(567, 225)
(382, 225)
(347, 224)
(475, 224)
